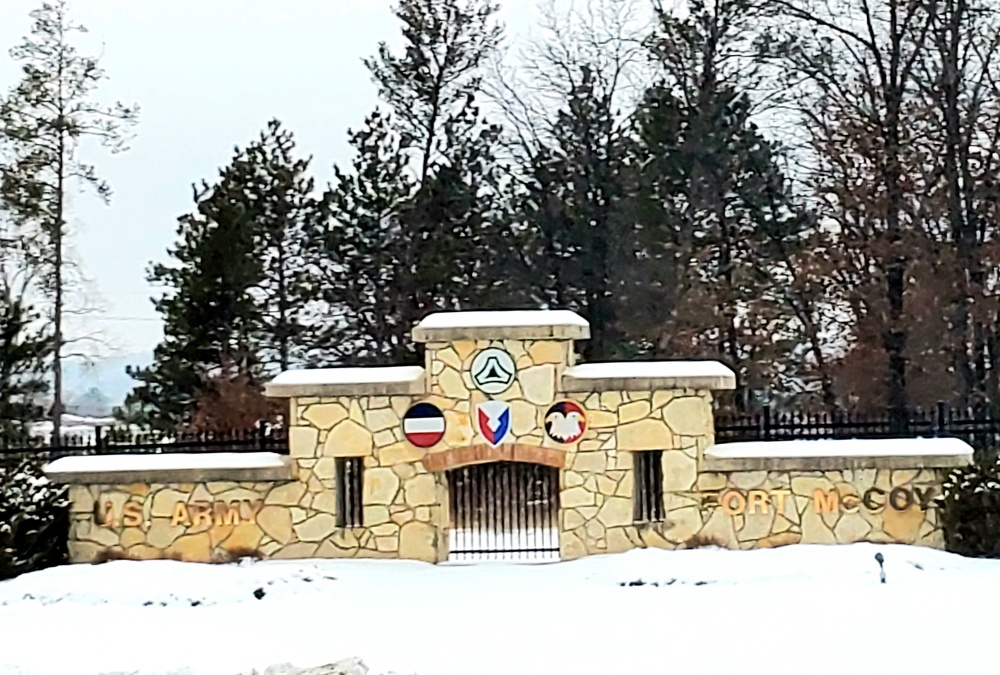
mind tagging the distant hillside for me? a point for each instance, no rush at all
(98, 387)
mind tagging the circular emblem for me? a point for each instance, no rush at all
(493, 371)
(423, 425)
(565, 422)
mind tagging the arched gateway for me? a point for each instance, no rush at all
(501, 445)
(503, 502)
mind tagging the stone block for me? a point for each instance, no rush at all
(679, 471)
(618, 540)
(689, 416)
(782, 539)
(571, 546)
(131, 536)
(572, 519)
(374, 515)
(610, 400)
(683, 523)
(276, 522)
(348, 439)
(164, 502)
(245, 536)
(576, 497)
(631, 412)
(524, 417)
(647, 434)
(83, 551)
(451, 384)
(325, 502)
(303, 441)
(296, 551)
(385, 438)
(162, 534)
(325, 469)
(192, 548)
(316, 528)
(381, 419)
(400, 453)
(538, 384)
(902, 526)
(600, 419)
(615, 512)
(420, 490)
(814, 530)
(289, 494)
(325, 415)
(590, 462)
(851, 528)
(418, 541)
(380, 486)
(546, 351)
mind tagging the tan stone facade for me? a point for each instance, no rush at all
(628, 409)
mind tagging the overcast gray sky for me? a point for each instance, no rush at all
(208, 75)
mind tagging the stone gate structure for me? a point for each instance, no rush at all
(371, 450)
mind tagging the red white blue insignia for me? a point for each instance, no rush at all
(565, 422)
(493, 421)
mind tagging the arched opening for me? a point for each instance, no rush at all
(504, 510)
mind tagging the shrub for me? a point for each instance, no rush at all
(34, 519)
(970, 506)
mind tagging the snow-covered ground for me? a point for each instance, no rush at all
(798, 609)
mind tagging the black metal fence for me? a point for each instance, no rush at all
(109, 441)
(504, 511)
(980, 427)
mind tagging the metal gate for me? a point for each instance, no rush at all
(504, 511)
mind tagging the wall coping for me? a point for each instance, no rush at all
(834, 455)
(170, 468)
(536, 324)
(648, 376)
(364, 381)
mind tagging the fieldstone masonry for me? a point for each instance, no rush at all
(286, 507)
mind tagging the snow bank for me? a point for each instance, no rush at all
(816, 609)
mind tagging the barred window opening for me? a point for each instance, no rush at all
(349, 486)
(648, 491)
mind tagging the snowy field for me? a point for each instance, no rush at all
(798, 609)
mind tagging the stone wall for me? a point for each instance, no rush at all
(598, 483)
(774, 508)
(292, 514)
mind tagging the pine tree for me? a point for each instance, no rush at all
(361, 250)
(716, 217)
(576, 210)
(43, 120)
(24, 349)
(280, 195)
(447, 233)
(239, 285)
(209, 313)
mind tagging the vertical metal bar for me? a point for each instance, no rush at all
(469, 518)
(508, 470)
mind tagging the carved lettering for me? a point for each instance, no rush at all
(869, 500)
(727, 502)
(757, 500)
(255, 508)
(825, 501)
(132, 514)
(780, 496)
(227, 514)
(850, 503)
(924, 497)
(900, 498)
(202, 514)
(181, 515)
